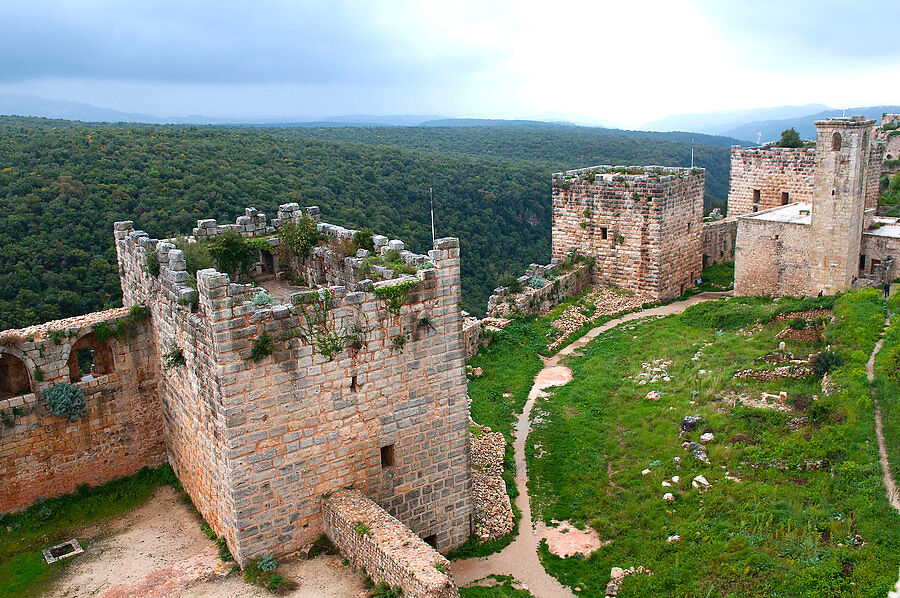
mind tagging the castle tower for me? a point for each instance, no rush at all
(842, 158)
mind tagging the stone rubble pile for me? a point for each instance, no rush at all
(654, 371)
(493, 510)
(607, 302)
(617, 575)
(780, 373)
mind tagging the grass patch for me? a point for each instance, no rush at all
(23, 571)
(502, 588)
(887, 387)
(717, 277)
(785, 532)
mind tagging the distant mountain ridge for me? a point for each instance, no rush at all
(764, 124)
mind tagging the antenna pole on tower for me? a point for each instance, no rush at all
(431, 192)
(692, 153)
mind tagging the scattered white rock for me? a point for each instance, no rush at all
(653, 395)
(700, 482)
(674, 538)
(645, 472)
(708, 437)
(669, 497)
(676, 479)
(666, 484)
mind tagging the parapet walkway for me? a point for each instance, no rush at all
(520, 558)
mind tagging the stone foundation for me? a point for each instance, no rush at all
(385, 548)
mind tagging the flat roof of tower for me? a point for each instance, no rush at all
(793, 213)
(890, 227)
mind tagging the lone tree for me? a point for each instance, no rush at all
(790, 138)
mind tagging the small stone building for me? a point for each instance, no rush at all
(263, 403)
(641, 225)
(794, 243)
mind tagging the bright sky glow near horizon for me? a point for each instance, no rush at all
(615, 63)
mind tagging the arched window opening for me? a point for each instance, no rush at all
(13, 376)
(836, 142)
(90, 357)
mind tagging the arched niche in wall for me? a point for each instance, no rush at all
(836, 141)
(14, 379)
(90, 357)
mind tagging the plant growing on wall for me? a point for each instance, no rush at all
(299, 237)
(362, 239)
(262, 299)
(395, 296)
(139, 313)
(173, 359)
(152, 263)
(399, 342)
(66, 400)
(360, 528)
(38, 374)
(232, 253)
(263, 346)
(318, 328)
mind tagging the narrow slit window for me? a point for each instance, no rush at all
(862, 261)
(354, 384)
(756, 196)
(387, 456)
(604, 233)
(785, 198)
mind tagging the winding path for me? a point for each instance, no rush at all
(889, 484)
(520, 558)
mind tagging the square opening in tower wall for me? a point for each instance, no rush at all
(387, 456)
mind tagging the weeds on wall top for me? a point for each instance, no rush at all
(152, 263)
(66, 400)
(173, 359)
(300, 237)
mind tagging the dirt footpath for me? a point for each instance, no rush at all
(159, 550)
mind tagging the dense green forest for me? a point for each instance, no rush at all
(552, 147)
(63, 184)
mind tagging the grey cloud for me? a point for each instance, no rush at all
(214, 42)
(785, 33)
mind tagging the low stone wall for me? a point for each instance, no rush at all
(474, 336)
(718, 241)
(557, 287)
(388, 551)
(44, 456)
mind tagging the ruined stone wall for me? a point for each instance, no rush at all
(557, 285)
(257, 444)
(718, 240)
(374, 541)
(890, 137)
(772, 171)
(642, 225)
(42, 455)
(884, 249)
(771, 258)
(474, 337)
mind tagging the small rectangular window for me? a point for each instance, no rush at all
(755, 207)
(387, 456)
(354, 384)
(756, 196)
(603, 232)
(431, 540)
(785, 198)
(862, 261)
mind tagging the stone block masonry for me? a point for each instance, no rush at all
(386, 549)
(719, 237)
(641, 224)
(44, 456)
(543, 287)
(766, 177)
(258, 444)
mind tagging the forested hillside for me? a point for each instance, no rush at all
(557, 147)
(63, 184)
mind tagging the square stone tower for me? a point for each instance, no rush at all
(839, 201)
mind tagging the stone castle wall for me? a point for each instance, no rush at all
(557, 285)
(884, 249)
(386, 549)
(873, 183)
(771, 258)
(719, 238)
(42, 455)
(890, 138)
(642, 225)
(272, 437)
(772, 171)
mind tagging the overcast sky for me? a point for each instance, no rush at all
(621, 63)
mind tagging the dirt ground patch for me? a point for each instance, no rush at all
(159, 550)
(566, 540)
